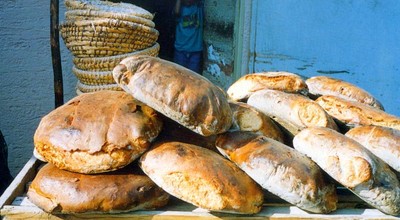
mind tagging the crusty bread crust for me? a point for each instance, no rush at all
(248, 118)
(355, 167)
(96, 132)
(245, 86)
(56, 190)
(354, 113)
(382, 141)
(202, 177)
(323, 85)
(179, 93)
(294, 112)
(281, 170)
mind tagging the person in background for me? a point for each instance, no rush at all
(189, 34)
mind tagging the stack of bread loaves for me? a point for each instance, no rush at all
(217, 150)
(100, 34)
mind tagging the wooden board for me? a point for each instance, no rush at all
(15, 205)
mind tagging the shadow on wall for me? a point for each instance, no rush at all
(5, 175)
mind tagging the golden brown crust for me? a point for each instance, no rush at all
(56, 190)
(250, 83)
(323, 85)
(382, 141)
(354, 113)
(202, 177)
(280, 169)
(182, 95)
(96, 132)
(294, 112)
(247, 118)
(353, 166)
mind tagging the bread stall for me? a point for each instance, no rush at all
(146, 138)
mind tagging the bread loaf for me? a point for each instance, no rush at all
(355, 114)
(96, 132)
(294, 112)
(202, 177)
(248, 118)
(353, 166)
(280, 169)
(382, 141)
(61, 191)
(323, 85)
(178, 93)
(250, 83)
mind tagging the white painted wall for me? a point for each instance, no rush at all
(26, 74)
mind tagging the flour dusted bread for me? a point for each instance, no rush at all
(353, 113)
(202, 177)
(382, 141)
(294, 112)
(96, 132)
(280, 169)
(250, 83)
(352, 165)
(56, 190)
(323, 85)
(178, 93)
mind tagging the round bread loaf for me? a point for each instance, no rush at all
(353, 166)
(96, 132)
(323, 85)
(177, 92)
(56, 190)
(244, 87)
(382, 141)
(202, 177)
(280, 169)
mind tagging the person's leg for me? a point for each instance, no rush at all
(195, 62)
(180, 58)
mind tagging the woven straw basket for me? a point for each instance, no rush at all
(123, 8)
(108, 63)
(83, 88)
(91, 15)
(93, 78)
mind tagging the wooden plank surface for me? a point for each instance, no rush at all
(15, 205)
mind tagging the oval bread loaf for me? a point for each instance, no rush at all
(294, 112)
(323, 85)
(353, 113)
(250, 83)
(353, 166)
(202, 177)
(280, 169)
(56, 190)
(178, 93)
(382, 141)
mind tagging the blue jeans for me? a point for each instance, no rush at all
(190, 60)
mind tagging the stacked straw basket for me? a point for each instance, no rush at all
(100, 34)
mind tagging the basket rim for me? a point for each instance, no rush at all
(107, 22)
(87, 14)
(121, 7)
(155, 47)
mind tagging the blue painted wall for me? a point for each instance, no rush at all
(354, 40)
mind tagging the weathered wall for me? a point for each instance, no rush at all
(26, 75)
(219, 41)
(357, 41)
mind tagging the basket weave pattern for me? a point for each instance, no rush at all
(100, 34)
